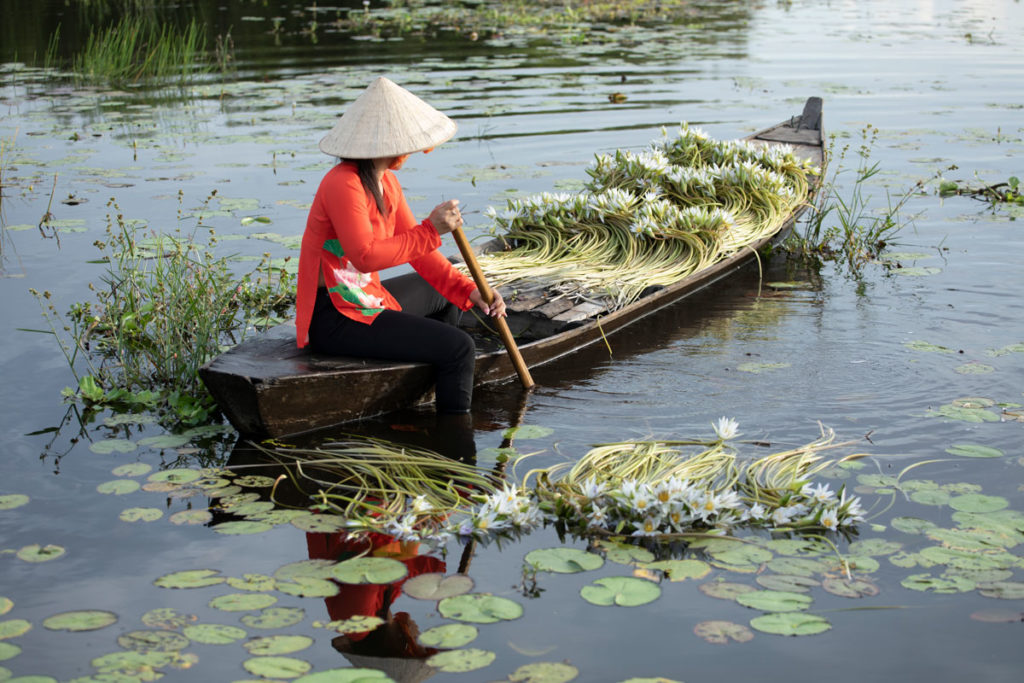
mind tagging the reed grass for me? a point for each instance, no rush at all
(138, 48)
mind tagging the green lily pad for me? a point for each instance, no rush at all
(320, 524)
(624, 553)
(854, 563)
(190, 578)
(274, 617)
(214, 634)
(133, 664)
(132, 469)
(933, 584)
(376, 570)
(912, 525)
(973, 450)
(108, 446)
(277, 645)
(13, 500)
(680, 570)
(624, 591)
(919, 345)
(461, 661)
(12, 628)
(167, 618)
(84, 620)
(969, 560)
(724, 590)
(742, 557)
(974, 368)
(721, 632)
(875, 547)
(436, 586)
(140, 514)
(544, 672)
(855, 587)
(360, 623)
(787, 582)
(6, 605)
(276, 667)
(153, 641)
(119, 487)
(8, 651)
(479, 608)
(796, 547)
(563, 560)
(195, 516)
(527, 432)
(257, 583)
(346, 675)
(775, 601)
(936, 497)
(242, 528)
(1005, 590)
(307, 587)
(791, 624)
(976, 502)
(40, 553)
(449, 636)
(971, 539)
(242, 602)
(317, 569)
(176, 476)
(165, 441)
(975, 415)
(255, 481)
(798, 566)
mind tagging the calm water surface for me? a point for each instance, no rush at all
(940, 80)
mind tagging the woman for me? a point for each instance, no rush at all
(360, 224)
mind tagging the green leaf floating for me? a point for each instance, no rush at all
(81, 620)
(242, 602)
(787, 582)
(214, 634)
(527, 432)
(140, 514)
(153, 641)
(191, 517)
(376, 570)
(12, 628)
(791, 624)
(479, 608)
(167, 618)
(317, 569)
(277, 645)
(119, 487)
(6, 605)
(347, 675)
(775, 601)
(436, 586)
(132, 469)
(461, 661)
(724, 590)
(973, 450)
(276, 667)
(449, 636)
(1006, 590)
(190, 578)
(545, 672)
(976, 502)
(162, 441)
(563, 560)
(108, 446)
(308, 587)
(624, 553)
(257, 583)
(360, 623)
(929, 583)
(274, 617)
(13, 500)
(8, 651)
(912, 525)
(874, 547)
(680, 570)
(321, 524)
(40, 553)
(850, 588)
(721, 632)
(624, 591)
(176, 476)
(242, 528)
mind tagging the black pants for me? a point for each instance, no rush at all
(423, 331)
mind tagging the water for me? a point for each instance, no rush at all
(940, 80)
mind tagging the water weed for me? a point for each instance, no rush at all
(138, 48)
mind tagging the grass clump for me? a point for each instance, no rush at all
(138, 48)
(165, 306)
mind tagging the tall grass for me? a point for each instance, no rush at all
(137, 48)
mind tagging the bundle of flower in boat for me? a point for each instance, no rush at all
(656, 489)
(649, 218)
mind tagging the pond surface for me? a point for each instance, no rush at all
(882, 360)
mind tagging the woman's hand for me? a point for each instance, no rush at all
(446, 217)
(497, 307)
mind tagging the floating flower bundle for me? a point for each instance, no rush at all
(649, 218)
(637, 488)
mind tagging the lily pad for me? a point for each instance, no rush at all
(974, 368)
(436, 586)
(8, 651)
(132, 469)
(721, 632)
(346, 675)
(976, 502)
(798, 566)
(972, 450)
(855, 587)
(140, 514)
(82, 620)
(936, 497)
(196, 517)
(545, 672)
(12, 628)
(479, 608)
(775, 601)
(167, 618)
(319, 524)
(461, 661)
(875, 547)
(153, 641)
(108, 446)
(360, 623)
(13, 500)
(277, 645)
(680, 570)
(162, 441)
(449, 636)
(274, 617)
(176, 476)
(6, 605)
(376, 570)
(912, 525)
(975, 415)
(787, 582)
(119, 487)
(257, 583)
(276, 667)
(190, 578)
(242, 602)
(317, 569)
(933, 584)
(624, 591)
(1006, 590)
(527, 432)
(625, 553)
(133, 664)
(40, 553)
(724, 590)
(563, 560)
(214, 634)
(308, 587)
(255, 481)
(920, 345)
(242, 528)
(791, 624)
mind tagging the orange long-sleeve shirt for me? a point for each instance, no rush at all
(349, 241)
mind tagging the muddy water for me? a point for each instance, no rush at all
(877, 359)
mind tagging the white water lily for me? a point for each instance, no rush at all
(830, 519)
(853, 511)
(598, 517)
(404, 528)
(650, 527)
(726, 428)
(755, 512)
(820, 493)
(506, 501)
(592, 488)
(420, 504)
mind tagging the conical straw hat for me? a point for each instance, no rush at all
(386, 121)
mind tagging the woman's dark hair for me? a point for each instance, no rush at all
(368, 176)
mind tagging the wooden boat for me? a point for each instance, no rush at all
(268, 387)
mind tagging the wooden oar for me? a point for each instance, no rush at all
(488, 297)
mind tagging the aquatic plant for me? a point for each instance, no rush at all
(138, 48)
(165, 306)
(647, 219)
(1005, 192)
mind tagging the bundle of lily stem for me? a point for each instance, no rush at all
(648, 219)
(655, 489)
